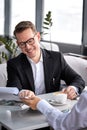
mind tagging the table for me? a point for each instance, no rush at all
(14, 118)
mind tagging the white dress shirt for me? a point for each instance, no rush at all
(74, 120)
(38, 74)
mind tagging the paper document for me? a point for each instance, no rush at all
(9, 93)
(12, 90)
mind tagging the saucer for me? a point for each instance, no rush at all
(55, 103)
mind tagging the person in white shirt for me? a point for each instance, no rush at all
(40, 70)
(73, 120)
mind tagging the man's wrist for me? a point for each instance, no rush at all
(76, 89)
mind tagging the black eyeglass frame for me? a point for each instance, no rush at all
(30, 41)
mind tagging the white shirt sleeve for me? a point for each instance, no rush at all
(74, 120)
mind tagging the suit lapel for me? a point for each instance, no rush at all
(48, 67)
(28, 72)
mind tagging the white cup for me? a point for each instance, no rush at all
(60, 97)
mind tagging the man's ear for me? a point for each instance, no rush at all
(38, 35)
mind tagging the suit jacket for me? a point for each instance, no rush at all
(20, 73)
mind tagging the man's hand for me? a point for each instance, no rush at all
(29, 98)
(32, 102)
(70, 91)
(26, 94)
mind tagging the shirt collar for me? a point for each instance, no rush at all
(31, 61)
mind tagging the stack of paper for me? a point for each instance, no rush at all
(12, 90)
(9, 93)
(9, 96)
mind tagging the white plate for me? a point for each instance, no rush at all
(53, 102)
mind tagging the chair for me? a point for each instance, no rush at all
(3, 75)
(79, 65)
(47, 45)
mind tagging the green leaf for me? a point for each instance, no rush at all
(46, 23)
(46, 28)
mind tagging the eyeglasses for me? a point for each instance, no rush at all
(30, 41)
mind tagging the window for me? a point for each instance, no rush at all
(1, 17)
(67, 20)
(22, 10)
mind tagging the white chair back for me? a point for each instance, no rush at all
(3, 74)
(49, 46)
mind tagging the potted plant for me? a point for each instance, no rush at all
(8, 48)
(46, 27)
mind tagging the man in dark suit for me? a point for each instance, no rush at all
(40, 70)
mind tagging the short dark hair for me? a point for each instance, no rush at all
(23, 25)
